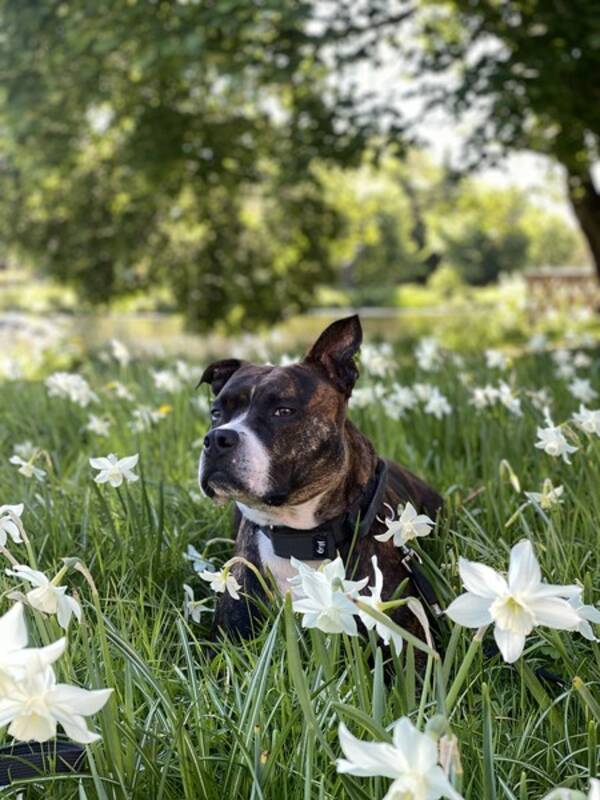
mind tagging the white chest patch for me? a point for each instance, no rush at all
(281, 568)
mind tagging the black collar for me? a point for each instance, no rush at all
(326, 539)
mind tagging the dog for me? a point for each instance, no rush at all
(306, 482)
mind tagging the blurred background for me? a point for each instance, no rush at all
(175, 174)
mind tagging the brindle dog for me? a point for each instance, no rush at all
(281, 446)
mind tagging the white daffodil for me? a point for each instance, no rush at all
(495, 359)
(581, 389)
(423, 391)
(484, 396)
(144, 417)
(325, 608)
(26, 450)
(201, 403)
(15, 655)
(115, 470)
(540, 398)
(587, 614)
(405, 526)
(166, 381)
(437, 404)
(120, 353)
(365, 396)
(285, 360)
(427, 353)
(375, 601)
(549, 497)
(36, 704)
(400, 399)
(582, 360)
(191, 375)
(8, 526)
(562, 356)
(508, 399)
(588, 420)
(13, 631)
(376, 359)
(47, 597)
(27, 468)
(323, 597)
(552, 441)
(193, 608)
(199, 563)
(71, 386)
(572, 794)
(537, 343)
(565, 371)
(515, 605)
(403, 396)
(334, 572)
(222, 581)
(411, 761)
(97, 425)
(120, 391)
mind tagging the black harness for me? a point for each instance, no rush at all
(337, 534)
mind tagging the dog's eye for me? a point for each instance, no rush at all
(283, 411)
(215, 414)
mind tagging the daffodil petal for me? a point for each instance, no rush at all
(470, 610)
(510, 644)
(480, 579)
(555, 613)
(13, 631)
(524, 572)
(367, 759)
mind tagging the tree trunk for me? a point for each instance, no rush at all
(585, 201)
(418, 232)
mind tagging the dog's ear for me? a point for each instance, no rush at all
(334, 351)
(218, 373)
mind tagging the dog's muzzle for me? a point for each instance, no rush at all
(235, 463)
(217, 459)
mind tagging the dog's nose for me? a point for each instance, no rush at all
(219, 441)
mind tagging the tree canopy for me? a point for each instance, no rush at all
(187, 143)
(139, 138)
(528, 73)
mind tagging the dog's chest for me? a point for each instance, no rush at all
(281, 568)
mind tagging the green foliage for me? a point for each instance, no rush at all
(138, 139)
(445, 281)
(529, 70)
(402, 220)
(259, 719)
(217, 151)
(552, 243)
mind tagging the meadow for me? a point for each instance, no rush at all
(259, 719)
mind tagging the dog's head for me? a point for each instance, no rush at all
(277, 433)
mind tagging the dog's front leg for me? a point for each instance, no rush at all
(241, 617)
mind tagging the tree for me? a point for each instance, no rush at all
(530, 70)
(175, 142)
(399, 217)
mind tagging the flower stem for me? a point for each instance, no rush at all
(458, 682)
(253, 568)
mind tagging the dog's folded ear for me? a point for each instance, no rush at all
(218, 373)
(334, 351)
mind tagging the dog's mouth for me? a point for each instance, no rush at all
(220, 486)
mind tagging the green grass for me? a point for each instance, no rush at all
(259, 719)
